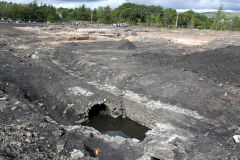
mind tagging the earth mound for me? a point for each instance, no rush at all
(125, 44)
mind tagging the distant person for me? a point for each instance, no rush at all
(2, 19)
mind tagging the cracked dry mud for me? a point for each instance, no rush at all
(188, 96)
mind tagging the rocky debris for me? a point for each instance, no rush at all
(3, 43)
(22, 133)
(125, 44)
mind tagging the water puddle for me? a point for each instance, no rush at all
(123, 127)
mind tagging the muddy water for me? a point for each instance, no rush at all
(123, 127)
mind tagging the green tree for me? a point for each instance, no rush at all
(105, 15)
(66, 13)
(130, 12)
(218, 16)
(236, 23)
(185, 18)
(191, 18)
(154, 19)
(192, 21)
(94, 15)
(127, 12)
(156, 14)
(84, 13)
(169, 16)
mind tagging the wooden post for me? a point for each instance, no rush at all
(177, 21)
(91, 16)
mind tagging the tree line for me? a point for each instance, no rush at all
(126, 13)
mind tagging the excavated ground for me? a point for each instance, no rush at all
(188, 96)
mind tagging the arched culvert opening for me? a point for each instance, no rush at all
(103, 122)
(97, 109)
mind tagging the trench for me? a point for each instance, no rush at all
(99, 116)
(100, 119)
(79, 38)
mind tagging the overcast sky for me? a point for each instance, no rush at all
(176, 4)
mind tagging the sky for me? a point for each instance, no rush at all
(181, 5)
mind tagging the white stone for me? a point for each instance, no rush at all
(35, 56)
(76, 154)
(80, 91)
(145, 157)
(60, 147)
(148, 103)
(236, 138)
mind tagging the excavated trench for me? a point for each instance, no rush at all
(53, 100)
(100, 119)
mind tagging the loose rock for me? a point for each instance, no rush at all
(76, 154)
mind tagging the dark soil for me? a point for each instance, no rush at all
(221, 65)
(125, 44)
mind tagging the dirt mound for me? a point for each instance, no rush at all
(221, 65)
(125, 44)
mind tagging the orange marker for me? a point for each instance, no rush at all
(226, 94)
(96, 151)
